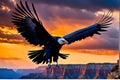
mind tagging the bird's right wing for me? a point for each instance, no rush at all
(100, 26)
(29, 25)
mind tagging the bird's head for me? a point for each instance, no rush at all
(62, 41)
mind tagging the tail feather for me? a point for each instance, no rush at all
(38, 59)
(37, 56)
(63, 56)
(33, 54)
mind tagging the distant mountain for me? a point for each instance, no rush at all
(75, 71)
(8, 74)
(66, 71)
(23, 72)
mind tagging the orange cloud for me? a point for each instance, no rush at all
(10, 35)
(94, 52)
(5, 8)
(11, 40)
(8, 30)
(10, 58)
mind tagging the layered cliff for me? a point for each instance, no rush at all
(78, 71)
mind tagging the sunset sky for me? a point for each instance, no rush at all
(60, 17)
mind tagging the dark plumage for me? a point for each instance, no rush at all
(32, 29)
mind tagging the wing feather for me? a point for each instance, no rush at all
(104, 22)
(29, 25)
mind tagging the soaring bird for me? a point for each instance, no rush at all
(31, 28)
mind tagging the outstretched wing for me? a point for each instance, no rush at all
(29, 25)
(100, 26)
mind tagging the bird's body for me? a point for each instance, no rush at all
(52, 49)
(32, 29)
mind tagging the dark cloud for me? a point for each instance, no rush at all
(49, 15)
(110, 44)
(5, 16)
(52, 13)
(83, 4)
(60, 9)
(7, 3)
(108, 40)
(67, 13)
(112, 33)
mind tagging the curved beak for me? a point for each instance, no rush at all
(65, 42)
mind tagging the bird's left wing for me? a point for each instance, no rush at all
(29, 25)
(100, 26)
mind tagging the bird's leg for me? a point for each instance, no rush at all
(57, 65)
(49, 64)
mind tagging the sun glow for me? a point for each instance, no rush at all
(15, 55)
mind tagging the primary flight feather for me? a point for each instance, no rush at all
(32, 29)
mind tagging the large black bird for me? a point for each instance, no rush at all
(32, 29)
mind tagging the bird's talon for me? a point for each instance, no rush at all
(49, 66)
(57, 66)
